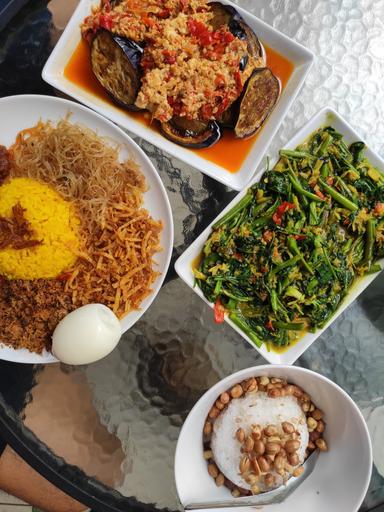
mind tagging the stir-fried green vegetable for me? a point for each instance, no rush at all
(280, 262)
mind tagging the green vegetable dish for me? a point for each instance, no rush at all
(280, 262)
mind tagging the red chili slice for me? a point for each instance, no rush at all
(219, 312)
(278, 215)
(269, 325)
(299, 237)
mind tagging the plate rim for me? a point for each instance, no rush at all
(71, 105)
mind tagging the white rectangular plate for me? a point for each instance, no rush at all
(183, 265)
(301, 58)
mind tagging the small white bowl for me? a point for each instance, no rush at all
(183, 265)
(341, 476)
(301, 58)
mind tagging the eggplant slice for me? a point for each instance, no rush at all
(191, 134)
(115, 63)
(254, 47)
(260, 95)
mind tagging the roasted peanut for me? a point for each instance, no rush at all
(224, 398)
(235, 493)
(283, 453)
(276, 380)
(272, 448)
(314, 435)
(289, 389)
(236, 391)
(263, 464)
(214, 412)
(311, 446)
(207, 428)
(245, 464)
(298, 471)
(312, 423)
(293, 459)
(320, 426)
(220, 479)
(256, 432)
(305, 398)
(264, 381)
(255, 489)
(208, 454)
(259, 447)
(273, 439)
(317, 414)
(256, 468)
(274, 393)
(212, 470)
(292, 445)
(252, 479)
(270, 430)
(311, 408)
(240, 435)
(249, 444)
(305, 406)
(279, 462)
(251, 385)
(297, 392)
(288, 428)
(269, 480)
(321, 444)
(219, 404)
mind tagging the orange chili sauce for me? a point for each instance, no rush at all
(228, 152)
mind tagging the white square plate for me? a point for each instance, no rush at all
(183, 265)
(301, 58)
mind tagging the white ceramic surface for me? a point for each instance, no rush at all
(341, 475)
(53, 73)
(183, 265)
(24, 111)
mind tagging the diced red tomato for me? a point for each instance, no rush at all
(279, 213)
(228, 37)
(147, 62)
(219, 312)
(207, 111)
(165, 13)
(219, 80)
(379, 209)
(267, 236)
(319, 193)
(239, 82)
(105, 21)
(107, 5)
(169, 56)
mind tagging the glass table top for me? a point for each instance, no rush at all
(106, 433)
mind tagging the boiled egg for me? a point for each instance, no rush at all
(86, 335)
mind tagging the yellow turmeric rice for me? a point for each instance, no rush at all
(54, 223)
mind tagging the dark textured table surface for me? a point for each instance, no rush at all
(106, 433)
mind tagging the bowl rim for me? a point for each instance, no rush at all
(151, 170)
(303, 64)
(191, 252)
(267, 369)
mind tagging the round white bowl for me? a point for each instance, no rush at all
(24, 111)
(341, 476)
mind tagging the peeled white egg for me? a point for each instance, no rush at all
(86, 335)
